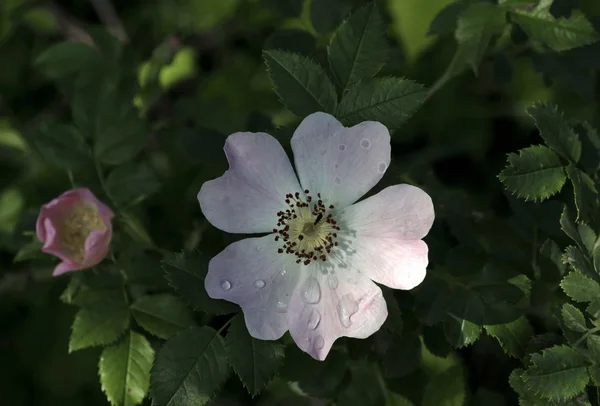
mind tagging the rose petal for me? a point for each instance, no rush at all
(340, 163)
(252, 274)
(382, 236)
(248, 196)
(65, 267)
(96, 247)
(326, 306)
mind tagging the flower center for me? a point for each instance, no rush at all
(307, 229)
(77, 225)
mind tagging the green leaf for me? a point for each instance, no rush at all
(363, 388)
(552, 251)
(62, 145)
(526, 396)
(446, 389)
(559, 34)
(555, 130)
(403, 355)
(255, 361)
(287, 8)
(558, 373)
(186, 272)
(462, 325)
(31, 250)
(132, 183)
(534, 174)
(593, 345)
(573, 318)
(67, 58)
(124, 370)
(101, 323)
(446, 20)
(325, 15)
(189, 368)
(571, 229)
(475, 28)
(301, 84)
(358, 48)
(161, 315)
(513, 337)
(585, 194)
(389, 100)
(588, 237)
(394, 321)
(580, 288)
(579, 261)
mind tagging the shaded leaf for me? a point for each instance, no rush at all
(287, 8)
(446, 20)
(358, 48)
(534, 174)
(325, 15)
(255, 361)
(391, 101)
(462, 326)
(580, 288)
(124, 370)
(189, 368)
(62, 145)
(161, 315)
(555, 130)
(301, 84)
(573, 318)
(446, 389)
(186, 272)
(513, 336)
(130, 184)
(579, 261)
(67, 58)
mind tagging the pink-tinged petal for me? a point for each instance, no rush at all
(252, 274)
(340, 163)
(327, 305)
(65, 267)
(52, 244)
(382, 237)
(97, 246)
(248, 196)
(86, 195)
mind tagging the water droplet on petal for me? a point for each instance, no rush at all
(342, 147)
(347, 306)
(319, 342)
(225, 284)
(311, 291)
(281, 307)
(333, 282)
(338, 180)
(259, 283)
(258, 248)
(382, 167)
(283, 272)
(314, 319)
(365, 143)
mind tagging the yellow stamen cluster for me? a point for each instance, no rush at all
(307, 230)
(76, 227)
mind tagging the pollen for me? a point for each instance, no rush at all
(77, 225)
(307, 228)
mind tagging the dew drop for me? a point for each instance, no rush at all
(338, 180)
(365, 143)
(342, 147)
(311, 291)
(319, 342)
(314, 319)
(258, 248)
(382, 167)
(283, 272)
(259, 283)
(281, 307)
(225, 284)
(333, 282)
(347, 306)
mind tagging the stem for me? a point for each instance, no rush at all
(450, 72)
(587, 333)
(227, 323)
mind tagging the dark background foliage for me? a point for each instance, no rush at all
(195, 70)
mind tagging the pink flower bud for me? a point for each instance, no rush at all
(75, 227)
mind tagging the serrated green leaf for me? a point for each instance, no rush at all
(593, 345)
(446, 20)
(593, 308)
(161, 315)
(462, 325)
(535, 173)
(358, 48)
(189, 368)
(101, 323)
(255, 361)
(390, 101)
(596, 255)
(301, 84)
(446, 389)
(571, 229)
(31, 250)
(560, 34)
(132, 183)
(67, 58)
(580, 288)
(186, 272)
(513, 337)
(326, 15)
(62, 145)
(552, 251)
(573, 318)
(579, 261)
(555, 130)
(474, 30)
(526, 396)
(124, 370)
(594, 372)
(558, 373)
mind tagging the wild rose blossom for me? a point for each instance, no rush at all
(314, 273)
(75, 227)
